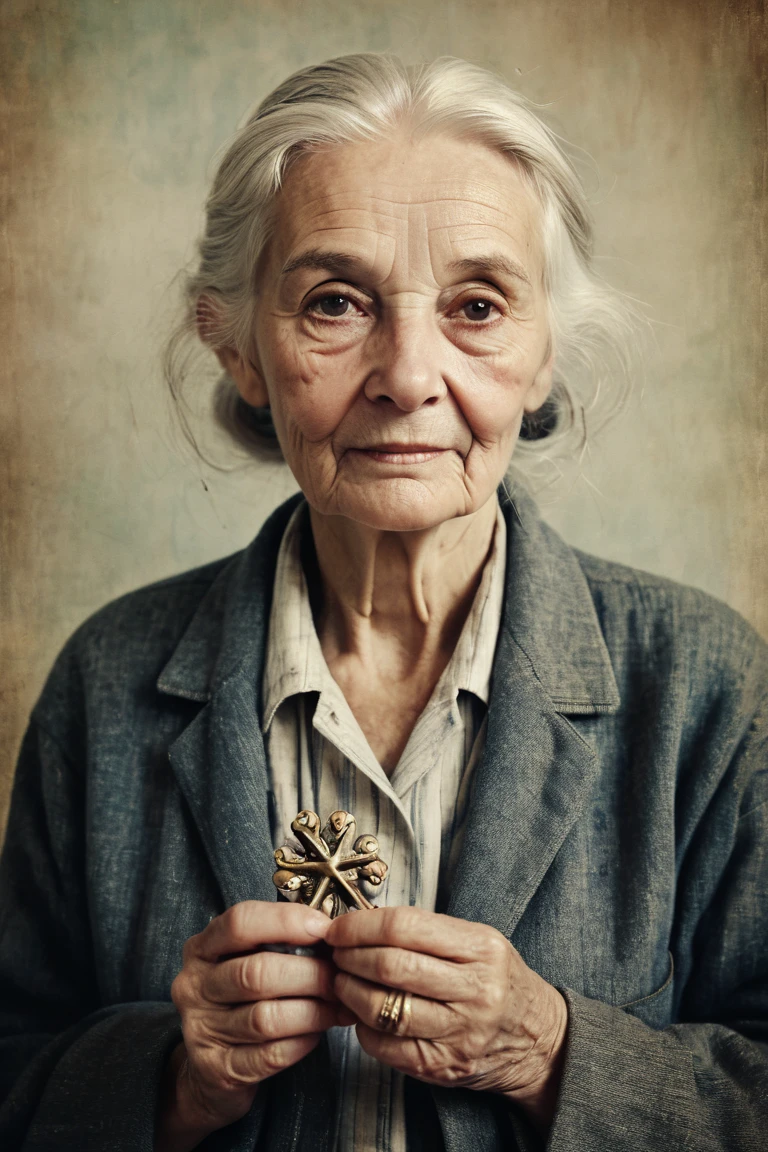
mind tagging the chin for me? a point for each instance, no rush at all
(402, 505)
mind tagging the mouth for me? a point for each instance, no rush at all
(400, 453)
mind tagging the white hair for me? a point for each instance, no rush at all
(368, 96)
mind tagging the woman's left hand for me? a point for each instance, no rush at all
(480, 1017)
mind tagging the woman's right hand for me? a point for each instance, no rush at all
(245, 1014)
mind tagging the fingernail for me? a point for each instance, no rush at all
(316, 924)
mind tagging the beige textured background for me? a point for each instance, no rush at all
(112, 110)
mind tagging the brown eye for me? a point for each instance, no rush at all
(477, 309)
(333, 305)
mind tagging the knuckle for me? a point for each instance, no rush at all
(273, 1058)
(428, 1064)
(264, 1019)
(462, 1070)
(410, 963)
(250, 974)
(230, 1076)
(397, 921)
(495, 998)
(439, 1062)
(475, 1045)
(494, 946)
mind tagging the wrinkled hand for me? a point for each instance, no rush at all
(480, 1018)
(246, 1014)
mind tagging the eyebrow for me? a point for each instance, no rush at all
(489, 266)
(320, 259)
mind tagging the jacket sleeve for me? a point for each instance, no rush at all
(73, 1073)
(701, 1083)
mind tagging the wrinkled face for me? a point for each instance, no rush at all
(400, 329)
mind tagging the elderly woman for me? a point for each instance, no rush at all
(563, 760)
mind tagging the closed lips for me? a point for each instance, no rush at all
(402, 448)
(400, 454)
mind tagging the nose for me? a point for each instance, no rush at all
(406, 369)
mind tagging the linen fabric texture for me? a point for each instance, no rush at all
(616, 836)
(318, 758)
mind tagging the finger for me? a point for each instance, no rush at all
(428, 1019)
(252, 922)
(264, 1021)
(411, 971)
(398, 1052)
(411, 928)
(267, 976)
(250, 1063)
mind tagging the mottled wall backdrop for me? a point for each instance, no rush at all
(113, 109)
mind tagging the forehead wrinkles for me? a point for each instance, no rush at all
(406, 233)
(442, 204)
(340, 221)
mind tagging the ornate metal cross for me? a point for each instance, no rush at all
(323, 870)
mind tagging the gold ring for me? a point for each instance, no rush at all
(395, 1014)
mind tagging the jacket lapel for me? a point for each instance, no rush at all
(536, 771)
(530, 787)
(221, 768)
(219, 760)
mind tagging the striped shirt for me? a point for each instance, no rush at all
(319, 759)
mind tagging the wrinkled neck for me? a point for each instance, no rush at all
(409, 591)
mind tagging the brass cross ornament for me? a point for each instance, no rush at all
(323, 870)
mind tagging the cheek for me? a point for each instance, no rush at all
(492, 396)
(310, 390)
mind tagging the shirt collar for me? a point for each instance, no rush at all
(294, 659)
(472, 661)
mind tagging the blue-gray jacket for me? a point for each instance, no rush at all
(617, 836)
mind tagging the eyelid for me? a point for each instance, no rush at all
(478, 287)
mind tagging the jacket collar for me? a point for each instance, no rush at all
(227, 635)
(548, 614)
